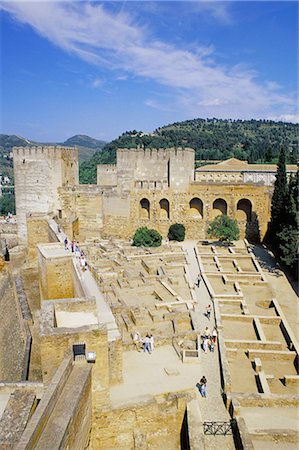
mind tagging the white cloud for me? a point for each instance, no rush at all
(285, 118)
(97, 83)
(116, 41)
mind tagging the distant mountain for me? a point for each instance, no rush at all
(84, 141)
(87, 146)
(7, 141)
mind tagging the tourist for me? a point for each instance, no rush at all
(210, 345)
(203, 386)
(205, 344)
(66, 246)
(208, 311)
(147, 344)
(152, 342)
(214, 336)
(198, 280)
(73, 246)
(83, 263)
(207, 333)
(77, 251)
(137, 340)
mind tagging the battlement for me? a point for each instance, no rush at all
(107, 167)
(132, 154)
(51, 151)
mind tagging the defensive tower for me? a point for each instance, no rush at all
(38, 173)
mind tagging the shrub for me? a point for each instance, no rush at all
(224, 228)
(176, 232)
(145, 237)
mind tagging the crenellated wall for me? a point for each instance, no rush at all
(147, 187)
(38, 173)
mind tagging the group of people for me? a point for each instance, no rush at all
(9, 218)
(209, 340)
(146, 343)
(79, 254)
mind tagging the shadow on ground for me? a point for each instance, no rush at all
(269, 264)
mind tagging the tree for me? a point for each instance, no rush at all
(145, 237)
(280, 198)
(176, 232)
(269, 154)
(7, 204)
(224, 228)
(288, 248)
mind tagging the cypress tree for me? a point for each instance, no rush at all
(280, 197)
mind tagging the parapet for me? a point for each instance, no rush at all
(155, 153)
(49, 151)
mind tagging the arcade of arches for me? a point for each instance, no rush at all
(196, 209)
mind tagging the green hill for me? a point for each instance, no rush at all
(87, 146)
(212, 139)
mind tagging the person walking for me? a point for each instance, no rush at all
(214, 336)
(66, 246)
(203, 387)
(208, 311)
(207, 333)
(198, 280)
(152, 342)
(205, 344)
(137, 340)
(147, 344)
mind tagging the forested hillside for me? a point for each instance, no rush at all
(255, 141)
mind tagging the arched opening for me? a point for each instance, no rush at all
(219, 207)
(144, 210)
(244, 210)
(164, 208)
(196, 208)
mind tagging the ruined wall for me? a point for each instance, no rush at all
(12, 335)
(154, 423)
(38, 172)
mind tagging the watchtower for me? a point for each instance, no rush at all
(38, 173)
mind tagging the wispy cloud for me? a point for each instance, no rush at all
(117, 41)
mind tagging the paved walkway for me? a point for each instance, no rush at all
(91, 289)
(212, 408)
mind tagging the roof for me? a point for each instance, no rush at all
(236, 165)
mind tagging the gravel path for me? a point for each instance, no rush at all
(212, 408)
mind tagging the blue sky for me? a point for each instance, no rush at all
(101, 68)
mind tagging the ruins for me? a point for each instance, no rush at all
(71, 374)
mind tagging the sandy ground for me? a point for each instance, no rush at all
(144, 375)
(271, 418)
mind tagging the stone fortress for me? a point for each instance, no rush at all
(70, 375)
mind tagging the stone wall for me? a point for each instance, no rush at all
(38, 172)
(55, 273)
(12, 335)
(154, 423)
(63, 416)
(196, 220)
(55, 341)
